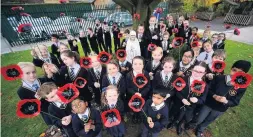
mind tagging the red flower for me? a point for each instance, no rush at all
(111, 118)
(105, 22)
(62, 14)
(196, 37)
(140, 80)
(151, 47)
(194, 44)
(24, 14)
(136, 103)
(175, 30)
(78, 19)
(159, 10)
(163, 26)
(24, 27)
(104, 57)
(80, 82)
(17, 8)
(237, 31)
(227, 26)
(28, 108)
(198, 86)
(121, 54)
(218, 66)
(63, 1)
(177, 42)
(68, 93)
(85, 62)
(179, 84)
(120, 35)
(11, 72)
(241, 80)
(137, 16)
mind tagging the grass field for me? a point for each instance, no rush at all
(236, 122)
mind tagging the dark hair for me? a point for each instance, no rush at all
(189, 50)
(140, 25)
(215, 34)
(160, 91)
(169, 59)
(78, 98)
(71, 54)
(114, 63)
(207, 41)
(55, 36)
(195, 28)
(139, 57)
(127, 31)
(90, 29)
(202, 64)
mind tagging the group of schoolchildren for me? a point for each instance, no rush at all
(112, 85)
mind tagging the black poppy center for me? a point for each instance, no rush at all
(218, 65)
(177, 43)
(140, 80)
(12, 72)
(136, 103)
(197, 86)
(80, 82)
(179, 84)
(241, 80)
(26, 28)
(68, 93)
(86, 62)
(29, 108)
(121, 54)
(111, 117)
(104, 58)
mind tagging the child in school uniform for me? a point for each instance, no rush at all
(84, 43)
(95, 75)
(110, 100)
(197, 50)
(54, 46)
(93, 40)
(72, 43)
(125, 66)
(132, 47)
(86, 121)
(41, 55)
(61, 112)
(180, 26)
(206, 56)
(115, 32)
(108, 38)
(183, 68)
(170, 24)
(221, 96)
(62, 47)
(220, 44)
(157, 114)
(193, 37)
(30, 86)
(214, 38)
(70, 72)
(186, 101)
(165, 44)
(124, 41)
(114, 77)
(99, 33)
(152, 33)
(205, 36)
(142, 41)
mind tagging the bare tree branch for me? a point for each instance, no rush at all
(125, 4)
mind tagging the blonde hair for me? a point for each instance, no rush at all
(46, 88)
(40, 48)
(158, 49)
(103, 94)
(22, 65)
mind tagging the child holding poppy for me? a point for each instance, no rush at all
(96, 74)
(206, 56)
(193, 37)
(61, 112)
(72, 43)
(30, 86)
(221, 96)
(55, 45)
(84, 42)
(157, 114)
(197, 49)
(188, 99)
(86, 121)
(124, 41)
(110, 100)
(165, 44)
(114, 77)
(124, 65)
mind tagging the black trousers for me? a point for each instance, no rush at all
(116, 43)
(86, 49)
(101, 43)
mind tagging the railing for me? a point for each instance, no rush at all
(238, 19)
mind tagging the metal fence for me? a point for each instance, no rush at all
(47, 19)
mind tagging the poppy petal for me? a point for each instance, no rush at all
(227, 26)
(62, 14)
(151, 47)
(121, 54)
(194, 44)
(136, 103)
(17, 8)
(80, 82)
(85, 62)
(175, 30)
(11, 72)
(104, 57)
(140, 80)
(120, 35)
(137, 16)
(28, 108)
(177, 42)
(68, 93)
(111, 118)
(179, 84)
(218, 66)
(241, 80)
(63, 1)
(237, 31)
(198, 86)
(24, 14)
(25, 27)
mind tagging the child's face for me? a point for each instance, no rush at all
(214, 38)
(221, 37)
(79, 106)
(132, 37)
(194, 31)
(152, 21)
(82, 34)
(217, 58)
(95, 62)
(68, 61)
(106, 27)
(52, 96)
(44, 53)
(157, 55)
(165, 37)
(198, 72)
(141, 29)
(186, 23)
(29, 74)
(126, 35)
(168, 67)
(62, 48)
(112, 69)
(111, 96)
(54, 39)
(89, 31)
(157, 99)
(138, 65)
(170, 19)
(234, 70)
(208, 47)
(180, 20)
(187, 58)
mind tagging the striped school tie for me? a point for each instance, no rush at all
(98, 74)
(35, 86)
(206, 57)
(166, 78)
(113, 80)
(72, 74)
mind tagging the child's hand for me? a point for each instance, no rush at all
(149, 119)
(167, 96)
(170, 45)
(97, 85)
(186, 102)
(139, 94)
(66, 120)
(151, 124)
(223, 100)
(33, 53)
(37, 96)
(180, 73)
(87, 127)
(155, 37)
(151, 74)
(209, 76)
(52, 68)
(193, 99)
(123, 69)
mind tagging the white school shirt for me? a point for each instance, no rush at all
(85, 114)
(30, 85)
(76, 68)
(202, 56)
(185, 66)
(164, 75)
(158, 107)
(118, 75)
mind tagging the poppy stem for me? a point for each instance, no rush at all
(50, 115)
(144, 113)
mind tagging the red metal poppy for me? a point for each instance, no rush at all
(177, 42)
(28, 108)
(24, 14)
(85, 62)
(163, 26)
(11, 72)
(17, 8)
(121, 54)
(104, 57)
(120, 35)
(151, 47)
(137, 16)
(194, 44)
(111, 118)
(241, 80)
(237, 31)
(175, 30)
(136, 103)
(62, 14)
(198, 86)
(78, 19)
(195, 37)
(67, 93)
(80, 82)
(218, 66)
(140, 80)
(179, 84)
(159, 10)
(25, 27)
(63, 1)
(227, 26)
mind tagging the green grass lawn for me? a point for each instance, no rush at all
(236, 122)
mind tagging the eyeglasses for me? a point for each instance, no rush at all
(188, 57)
(198, 72)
